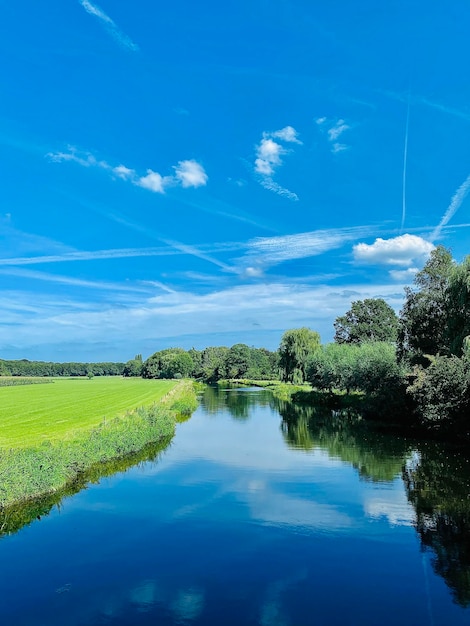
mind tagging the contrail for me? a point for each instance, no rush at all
(457, 199)
(110, 25)
(405, 158)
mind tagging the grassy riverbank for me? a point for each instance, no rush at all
(55, 452)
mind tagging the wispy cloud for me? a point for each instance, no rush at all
(14, 241)
(423, 100)
(271, 185)
(334, 130)
(264, 252)
(92, 255)
(109, 25)
(268, 158)
(273, 306)
(404, 250)
(455, 203)
(188, 173)
(71, 281)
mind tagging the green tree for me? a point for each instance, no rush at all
(213, 363)
(134, 366)
(168, 363)
(371, 319)
(424, 317)
(237, 361)
(458, 318)
(297, 345)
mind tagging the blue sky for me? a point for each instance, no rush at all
(197, 174)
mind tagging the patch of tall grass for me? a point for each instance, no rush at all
(16, 381)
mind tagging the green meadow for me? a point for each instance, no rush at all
(31, 414)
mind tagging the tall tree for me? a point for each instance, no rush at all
(371, 319)
(458, 318)
(297, 345)
(424, 317)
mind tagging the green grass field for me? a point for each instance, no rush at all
(30, 414)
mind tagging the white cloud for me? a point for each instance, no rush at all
(403, 251)
(190, 174)
(338, 129)
(288, 133)
(339, 147)
(109, 24)
(268, 156)
(405, 276)
(71, 281)
(153, 181)
(268, 159)
(92, 255)
(271, 185)
(268, 251)
(453, 207)
(124, 172)
(334, 131)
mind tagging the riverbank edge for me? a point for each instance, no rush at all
(31, 473)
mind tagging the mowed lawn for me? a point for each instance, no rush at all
(30, 414)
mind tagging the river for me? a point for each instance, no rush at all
(258, 513)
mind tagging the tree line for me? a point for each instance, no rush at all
(24, 367)
(413, 367)
(210, 365)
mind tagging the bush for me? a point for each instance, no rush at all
(442, 394)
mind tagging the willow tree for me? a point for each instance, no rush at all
(297, 345)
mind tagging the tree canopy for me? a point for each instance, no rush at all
(371, 319)
(424, 317)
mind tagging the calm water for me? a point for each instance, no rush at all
(258, 513)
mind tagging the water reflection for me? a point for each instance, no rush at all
(342, 434)
(259, 511)
(438, 486)
(436, 478)
(237, 401)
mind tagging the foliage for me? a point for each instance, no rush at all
(371, 319)
(442, 394)
(297, 345)
(458, 318)
(45, 368)
(168, 364)
(368, 367)
(424, 317)
(134, 366)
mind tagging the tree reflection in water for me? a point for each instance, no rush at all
(436, 477)
(438, 486)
